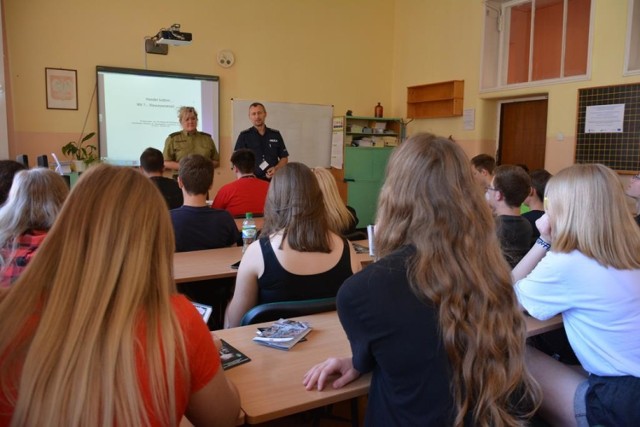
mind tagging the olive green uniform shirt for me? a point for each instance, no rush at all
(181, 144)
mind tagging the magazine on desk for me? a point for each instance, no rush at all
(283, 334)
(231, 356)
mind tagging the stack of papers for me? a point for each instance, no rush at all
(283, 334)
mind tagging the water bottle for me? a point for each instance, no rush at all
(249, 231)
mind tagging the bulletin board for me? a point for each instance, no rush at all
(616, 148)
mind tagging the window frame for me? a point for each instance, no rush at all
(500, 6)
(631, 25)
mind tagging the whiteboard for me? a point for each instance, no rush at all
(305, 128)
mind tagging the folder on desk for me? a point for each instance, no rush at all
(283, 334)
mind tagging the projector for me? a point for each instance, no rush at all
(173, 38)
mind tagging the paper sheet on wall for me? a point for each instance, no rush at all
(469, 119)
(604, 119)
(337, 142)
(337, 145)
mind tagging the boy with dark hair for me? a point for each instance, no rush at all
(247, 193)
(483, 166)
(535, 200)
(152, 164)
(196, 226)
(510, 187)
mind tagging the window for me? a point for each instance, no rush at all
(632, 56)
(529, 41)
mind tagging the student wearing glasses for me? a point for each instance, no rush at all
(586, 266)
(509, 188)
(633, 190)
(435, 319)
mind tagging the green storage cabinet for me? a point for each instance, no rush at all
(364, 169)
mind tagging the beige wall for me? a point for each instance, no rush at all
(438, 41)
(351, 54)
(313, 51)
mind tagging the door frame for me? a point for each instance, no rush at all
(499, 115)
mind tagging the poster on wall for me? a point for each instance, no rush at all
(604, 118)
(62, 89)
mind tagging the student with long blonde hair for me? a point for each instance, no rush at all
(435, 318)
(34, 201)
(342, 219)
(93, 332)
(586, 266)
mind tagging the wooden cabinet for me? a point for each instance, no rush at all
(367, 145)
(443, 99)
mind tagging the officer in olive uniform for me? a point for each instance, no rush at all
(189, 141)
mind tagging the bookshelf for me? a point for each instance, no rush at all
(444, 99)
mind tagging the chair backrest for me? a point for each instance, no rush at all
(286, 309)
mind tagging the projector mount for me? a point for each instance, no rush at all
(159, 44)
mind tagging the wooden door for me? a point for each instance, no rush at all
(523, 133)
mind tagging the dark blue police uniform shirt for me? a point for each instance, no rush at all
(268, 147)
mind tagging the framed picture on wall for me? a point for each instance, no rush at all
(62, 89)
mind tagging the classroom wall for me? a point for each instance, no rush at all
(315, 51)
(439, 41)
(351, 54)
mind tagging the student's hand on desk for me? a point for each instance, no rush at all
(319, 374)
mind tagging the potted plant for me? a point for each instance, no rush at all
(82, 155)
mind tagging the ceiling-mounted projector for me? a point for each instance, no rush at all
(173, 36)
(159, 44)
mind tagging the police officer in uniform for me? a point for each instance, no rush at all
(189, 141)
(266, 143)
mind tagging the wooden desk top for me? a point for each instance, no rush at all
(216, 263)
(270, 385)
(205, 265)
(537, 327)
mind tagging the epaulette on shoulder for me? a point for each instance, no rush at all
(175, 133)
(207, 134)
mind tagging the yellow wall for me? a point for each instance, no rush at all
(439, 41)
(351, 54)
(313, 51)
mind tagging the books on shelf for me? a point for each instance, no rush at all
(282, 334)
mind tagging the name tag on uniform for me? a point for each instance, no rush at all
(264, 165)
(273, 140)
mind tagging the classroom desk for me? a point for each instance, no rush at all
(270, 385)
(216, 263)
(537, 327)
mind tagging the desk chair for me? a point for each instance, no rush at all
(286, 309)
